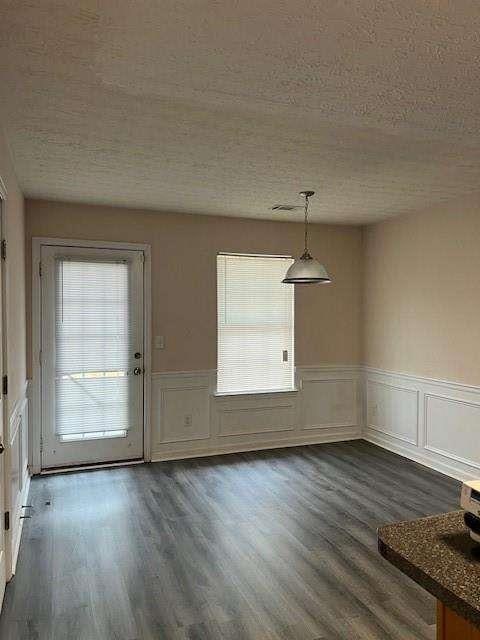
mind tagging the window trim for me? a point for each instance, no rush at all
(276, 392)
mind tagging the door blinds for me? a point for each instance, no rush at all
(93, 342)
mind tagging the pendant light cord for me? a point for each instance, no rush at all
(306, 223)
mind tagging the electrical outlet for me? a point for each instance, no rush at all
(188, 420)
(159, 342)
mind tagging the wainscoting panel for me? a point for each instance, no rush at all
(181, 408)
(185, 414)
(392, 410)
(434, 422)
(190, 420)
(17, 463)
(253, 414)
(459, 436)
(329, 403)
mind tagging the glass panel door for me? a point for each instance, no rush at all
(92, 355)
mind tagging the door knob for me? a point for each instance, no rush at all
(137, 371)
(2, 448)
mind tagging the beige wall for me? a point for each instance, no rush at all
(422, 293)
(15, 277)
(184, 247)
(421, 300)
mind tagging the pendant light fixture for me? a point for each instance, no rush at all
(306, 270)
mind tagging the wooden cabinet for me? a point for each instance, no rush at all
(450, 626)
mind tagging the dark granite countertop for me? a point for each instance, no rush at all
(437, 553)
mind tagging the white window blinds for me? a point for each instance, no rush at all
(255, 324)
(93, 343)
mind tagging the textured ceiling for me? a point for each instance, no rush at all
(229, 107)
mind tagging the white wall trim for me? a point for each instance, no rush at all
(19, 405)
(189, 419)
(330, 367)
(440, 451)
(17, 477)
(444, 426)
(93, 244)
(5, 538)
(353, 416)
(17, 532)
(336, 436)
(35, 384)
(358, 368)
(250, 412)
(35, 426)
(373, 426)
(447, 467)
(391, 435)
(160, 375)
(458, 386)
(411, 429)
(333, 403)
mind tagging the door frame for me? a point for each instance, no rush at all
(7, 534)
(36, 391)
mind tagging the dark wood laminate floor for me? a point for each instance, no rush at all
(276, 545)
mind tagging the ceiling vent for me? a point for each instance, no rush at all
(285, 207)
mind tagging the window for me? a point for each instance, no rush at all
(255, 324)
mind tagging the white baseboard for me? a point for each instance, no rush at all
(354, 434)
(423, 459)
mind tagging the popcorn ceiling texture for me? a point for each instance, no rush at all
(228, 107)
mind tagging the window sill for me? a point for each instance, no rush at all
(227, 394)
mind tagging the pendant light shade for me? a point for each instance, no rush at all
(306, 270)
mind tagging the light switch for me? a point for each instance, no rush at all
(159, 342)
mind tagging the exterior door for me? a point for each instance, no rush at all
(92, 346)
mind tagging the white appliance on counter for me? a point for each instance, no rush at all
(470, 502)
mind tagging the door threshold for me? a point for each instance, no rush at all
(90, 467)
